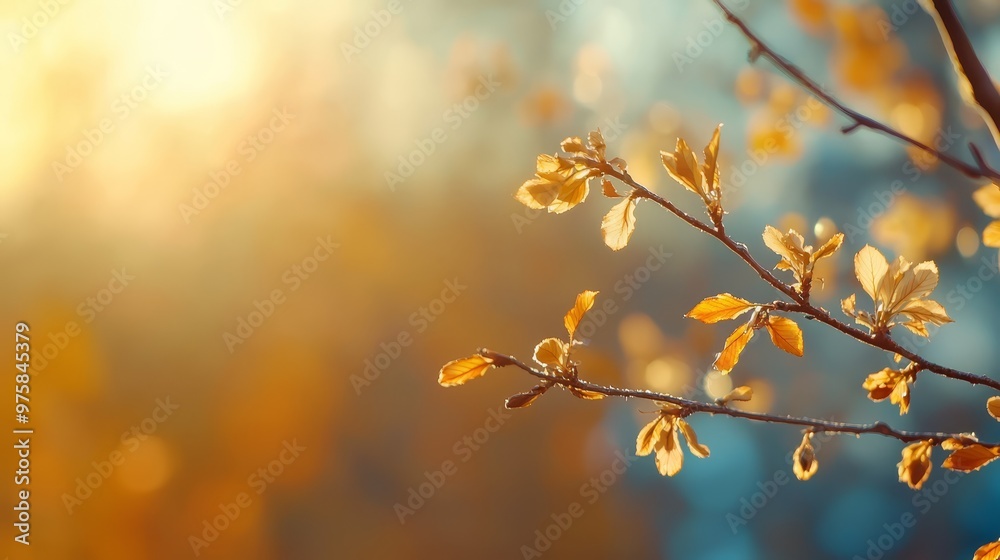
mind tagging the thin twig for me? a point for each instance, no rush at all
(800, 304)
(979, 171)
(691, 406)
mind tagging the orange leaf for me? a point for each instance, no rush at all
(993, 406)
(648, 436)
(682, 165)
(991, 235)
(915, 467)
(989, 551)
(710, 168)
(457, 372)
(585, 394)
(552, 353)
(742, 393)
(698, 450)
(785, 334)
(619, 223)
(734, 346)
(804, 463)
(719, 308)
(970, 458)
(584, 302)
(609, 189)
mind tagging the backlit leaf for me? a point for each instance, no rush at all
(585, 394)
(584, 301)
(734, 346)
(989, 551)
(609, 189)
(785, 334)
(698, 450)
(993, 406)
(742, 393)
(719, 308)
(552, 353)
(710, 168)
(682, 165)
(988, 198)
(915, 467)
(829, 248)
(971, 458)
(991, 235)
(648, 435)
(804, 463)
(870, 267)
(619, 223)
(669, 455)
(457, 372)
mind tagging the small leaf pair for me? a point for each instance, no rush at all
(703, 180)
(662, 436)
(797, 257)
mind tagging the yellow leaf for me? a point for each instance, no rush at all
(585, 394)
(525, 399)
(991, 235)
(609, 189)
(926, 311)
(457, 372)
(804, 463)
(849, 306)
(915, 467)
(710, 169)
(573, 145)
(734, 346)
(719, 308)
(988, 198)
(698, 450)
(914, 283)
(829, 248)
(552, 353)
(648, 436)
(584, 301)
(993, 406)
(596, 140)
(537, 193)
(870, 267)
(989, 551)
(742, 393)
(971, 458)
(785, 334)
(892, 384)
(682, 165)
(789, 246)
(669, 456)
(572, 192)
(619, 223)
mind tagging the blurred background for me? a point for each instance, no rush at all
(246, 236)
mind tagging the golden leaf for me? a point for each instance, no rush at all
(988, 198)
(719, 308)
(698, 450)
(710, 168)
(971, 458)
(989, 551)
(785, 334)
(669, 455)
(915, 467)
(573, 145)
(584, 301)
(457, 372)
(926, 311)
(552, 353)
(558, 186)
(804, 462)
(648, 436)
(912, 284)
(734, 346)
(609, 189)
(993, 406)
(619, 223)
(585, 394)
(537, 193)
(742, 393)
(870, 267)
(682, 165)
(849, 306)
(892, 384)
(596, 140)
(991, 235)
(829, 248)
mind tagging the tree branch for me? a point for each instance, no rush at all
(800, 303)
(978, 171)
(692, 406)
(967, 64)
